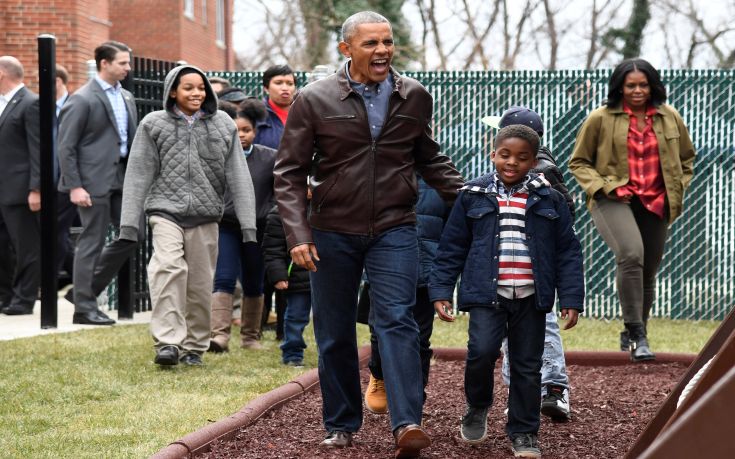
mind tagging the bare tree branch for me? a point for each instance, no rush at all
(553, 38)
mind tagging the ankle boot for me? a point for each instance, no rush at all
(220, 322)
(639, 350)
(252, 312)
(624, 341)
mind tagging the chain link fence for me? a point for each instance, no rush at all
(697, 276)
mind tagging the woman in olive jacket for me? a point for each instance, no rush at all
(633, 157)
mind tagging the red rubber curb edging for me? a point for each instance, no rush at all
(225, 429)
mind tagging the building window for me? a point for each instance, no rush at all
(204, 12)
(189, 9)
(220, 18)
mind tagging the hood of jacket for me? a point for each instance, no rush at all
(209, 106)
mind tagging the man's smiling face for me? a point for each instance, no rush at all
(371, 50)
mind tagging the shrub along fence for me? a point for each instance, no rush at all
(697, 277)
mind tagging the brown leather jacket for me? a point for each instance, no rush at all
(360, 186)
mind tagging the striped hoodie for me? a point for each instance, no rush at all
(515, 270)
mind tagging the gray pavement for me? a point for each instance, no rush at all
(12, 327)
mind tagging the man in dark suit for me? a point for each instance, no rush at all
(66, 210)
(20, 196)
(96, 127)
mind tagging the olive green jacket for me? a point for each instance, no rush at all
(600, 157)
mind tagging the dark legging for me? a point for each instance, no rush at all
(636, 236)
(238, 259)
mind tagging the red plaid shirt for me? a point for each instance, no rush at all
(646, 180)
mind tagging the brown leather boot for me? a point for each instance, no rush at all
(252, 313)
(220, 322)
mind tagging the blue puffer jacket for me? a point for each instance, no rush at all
(431, 213)
(268, 132)
(470, 241)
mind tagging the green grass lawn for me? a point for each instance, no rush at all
(96, 393)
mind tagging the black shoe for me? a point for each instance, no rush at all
(92, 318)
(215, 348)
(167, 355)
(294, 363)
(337, 439)
(624, 341)
(17, 310)
(474, 425)
(525, 445)
(639, 349)
(69, 295)
(191, 359)
(555, 403)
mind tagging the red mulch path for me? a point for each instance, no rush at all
(610, 407)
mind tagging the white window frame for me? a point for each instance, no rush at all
(189, 9)
(204, 12)
(220, 23)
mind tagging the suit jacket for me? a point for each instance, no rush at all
(89, 141)
(20, 170)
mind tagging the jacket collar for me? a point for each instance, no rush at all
(534, 183)
(617, 110)
(345, 89)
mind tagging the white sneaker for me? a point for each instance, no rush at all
(555, 403)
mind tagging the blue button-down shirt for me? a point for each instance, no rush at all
(114, 95)
(376, 97)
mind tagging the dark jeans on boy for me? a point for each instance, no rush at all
(423, 314)
(525, 328)
(294, 322)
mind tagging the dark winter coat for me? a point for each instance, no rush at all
(547, 166)
(470, 246)
(431, 213)
(268, 131)
(277, 258)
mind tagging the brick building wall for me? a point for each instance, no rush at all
(78, 25)
(161, 30)
(153, 28)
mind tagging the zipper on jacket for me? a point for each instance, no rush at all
(371, 223)
(373, 153)
(188, 167)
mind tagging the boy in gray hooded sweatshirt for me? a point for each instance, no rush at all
(180, 162)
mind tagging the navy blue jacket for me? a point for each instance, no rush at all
(469, 245)
(268, 132)
(431, 213)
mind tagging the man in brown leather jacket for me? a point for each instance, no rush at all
(371, 130)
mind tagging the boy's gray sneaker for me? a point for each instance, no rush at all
(555, 403)
(525, 445)
(474, 425)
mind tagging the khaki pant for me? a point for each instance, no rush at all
(180, 276)
(636, 237)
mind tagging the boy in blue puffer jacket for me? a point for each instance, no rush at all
(510, 235)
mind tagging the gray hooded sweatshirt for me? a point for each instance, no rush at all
(180, 172)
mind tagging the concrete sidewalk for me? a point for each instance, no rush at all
(12, 327)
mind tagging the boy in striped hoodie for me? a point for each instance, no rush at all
(510, 235)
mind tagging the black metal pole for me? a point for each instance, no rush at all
(125, 282)
(47, 104)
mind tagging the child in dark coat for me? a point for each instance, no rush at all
(294, 280)
(555, 399)
(510, 235)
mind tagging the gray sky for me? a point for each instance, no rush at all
(573, 20)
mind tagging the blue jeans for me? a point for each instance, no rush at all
(524, 325)
(391, 262)
(297, 317)
(423, 314)
(238, 260)
(554, 366)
